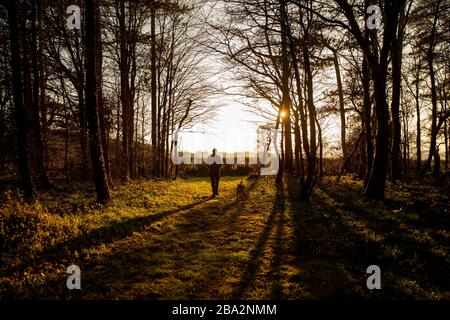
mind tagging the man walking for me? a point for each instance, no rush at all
(214, 164)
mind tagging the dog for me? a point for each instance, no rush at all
(240, 191)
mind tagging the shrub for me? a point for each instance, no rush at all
(25, 229)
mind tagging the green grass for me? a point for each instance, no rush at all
(169, 240)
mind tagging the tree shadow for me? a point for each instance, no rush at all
(427, 216)
(102, 235)
(321, 270)
(338, 235)
(402, 245)
(139, 262)
(256, 254)
(274, 272)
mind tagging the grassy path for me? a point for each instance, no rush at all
(216, 249)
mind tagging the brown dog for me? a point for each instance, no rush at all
(240, 191)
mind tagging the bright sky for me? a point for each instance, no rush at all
(232, 130)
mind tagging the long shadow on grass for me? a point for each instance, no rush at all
(226, 220)
(337, 239)
(274, 271)
(133, 265)
(102, 235)
(426, 217)
(322, 271)
(415, 247)
(202, 225)
(192, 235)
(257, 252)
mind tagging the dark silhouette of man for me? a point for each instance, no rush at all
(214, 164)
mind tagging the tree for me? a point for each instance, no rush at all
(341, 103)
(19, 108)
(153, 89)
(130, 22)
(305, 20)
(64, 49)
(286, 101)
(37, 92)
(430, 43)
(91, 39)
(397, 54)
(378, 64)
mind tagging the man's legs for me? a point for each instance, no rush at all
(217, 186)
(213, 185)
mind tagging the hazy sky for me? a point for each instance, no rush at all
(232, 129)
(234, 126)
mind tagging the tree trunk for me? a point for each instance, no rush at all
(367, 116)
(83, 129)
(396, 52)
(66, 133)
(311, 170)
(320, 148)
(418, 128)
(395, 108)
(124, 90)
(19, 109)
(153, 88)
(301, 134)
(405, 142)
(437, 163)
(362, 168)
(98, 163)
(298, 146)
(132, 93)
(377, 180)
(101, 106)
(35, 105)
(341, 104)
(42, 86)
(27, 89)
(286, 101)
(446, 142)
(434, 129)
(433, 135)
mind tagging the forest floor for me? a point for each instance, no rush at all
(169, 240)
